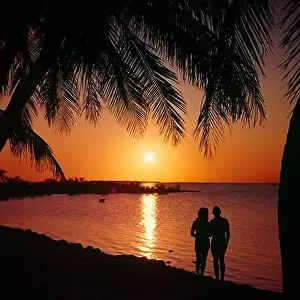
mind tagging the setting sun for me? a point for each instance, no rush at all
(148, 156)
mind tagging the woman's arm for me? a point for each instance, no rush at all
(193, 234)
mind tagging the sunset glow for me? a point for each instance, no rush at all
(148, 156)
(108, 152)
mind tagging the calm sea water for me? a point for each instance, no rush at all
(151, 225)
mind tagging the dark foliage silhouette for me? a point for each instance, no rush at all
(16, 187)
(25, 143)
(288, 204)
(110, 60)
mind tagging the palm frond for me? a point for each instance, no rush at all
(130, 81)
(92, 106)
(291, 44)
(219, 110)
(59, 95)
(248, 27)
(19, 45)
(30, 111)
(176, 40)
(114, 58)
(163, 99)
(218, 46)
(27, 144)
(210, 127)
(121, 86)
(232, 90)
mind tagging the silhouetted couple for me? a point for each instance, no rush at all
(218, 230)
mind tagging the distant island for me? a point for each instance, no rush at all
(16, 187)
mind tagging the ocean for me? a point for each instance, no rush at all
(158, 226)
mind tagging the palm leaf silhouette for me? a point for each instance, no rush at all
(291, 44)
(27, 144)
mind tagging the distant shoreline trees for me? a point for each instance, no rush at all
(17, 187)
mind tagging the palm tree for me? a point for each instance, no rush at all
(110, 59)
(27, 144)
(288, 193)
(112, 67)
(51, 59)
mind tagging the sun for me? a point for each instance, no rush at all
(149, 156)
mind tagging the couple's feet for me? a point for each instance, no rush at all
(219, 279)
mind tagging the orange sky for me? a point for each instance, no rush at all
(107, 152)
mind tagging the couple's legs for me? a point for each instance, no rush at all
(219, 265)
(201, 262)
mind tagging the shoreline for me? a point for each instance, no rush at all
(36, 266)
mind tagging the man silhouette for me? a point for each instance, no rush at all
(219, 230)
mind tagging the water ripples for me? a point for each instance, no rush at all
(159, 226)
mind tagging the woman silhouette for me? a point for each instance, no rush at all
(200, 230)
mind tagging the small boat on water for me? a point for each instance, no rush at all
(101, 200)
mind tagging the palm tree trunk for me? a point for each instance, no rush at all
(289, 207)
(12, 115)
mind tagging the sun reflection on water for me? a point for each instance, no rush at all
(148, 222)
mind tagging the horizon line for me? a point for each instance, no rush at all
(171, 182)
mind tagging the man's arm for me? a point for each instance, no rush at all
(227, 231)
(193, 234)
